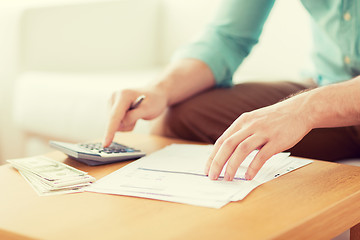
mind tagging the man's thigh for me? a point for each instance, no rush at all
(330, 144)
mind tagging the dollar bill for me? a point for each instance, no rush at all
(46, 168)
(50, 177)
(42, 190)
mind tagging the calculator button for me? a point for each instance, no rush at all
(114, 148)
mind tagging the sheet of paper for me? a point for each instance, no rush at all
(175, 174)
(196, 190)
(120, 182)
(191, 159)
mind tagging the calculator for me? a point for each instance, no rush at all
(94, 154)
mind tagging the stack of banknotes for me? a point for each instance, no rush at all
(50, 177)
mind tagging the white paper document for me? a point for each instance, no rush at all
(176, 173)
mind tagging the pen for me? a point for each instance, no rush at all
(137, 102)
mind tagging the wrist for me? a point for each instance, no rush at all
(162, 89)
(310, 110)
(301, 105)
(332, 105)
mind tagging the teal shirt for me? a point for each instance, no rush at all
(236, 28)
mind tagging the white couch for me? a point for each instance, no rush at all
(64, 58)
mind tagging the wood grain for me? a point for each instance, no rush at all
(318, 201)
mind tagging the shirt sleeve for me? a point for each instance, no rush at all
(229, 37)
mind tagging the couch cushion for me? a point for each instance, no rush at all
(72, 107)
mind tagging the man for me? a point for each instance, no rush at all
(317, 120)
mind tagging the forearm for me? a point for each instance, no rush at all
(184, 79)
(335, 105)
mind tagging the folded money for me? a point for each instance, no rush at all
(49, 177)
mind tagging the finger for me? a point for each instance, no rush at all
(242, 151)
(266, 152)
(234, 127)
(224, 153)
(219, 142)
(215, 149)
(111, 102)
(118, 112)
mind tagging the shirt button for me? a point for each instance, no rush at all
(347, 60)
(347, 16)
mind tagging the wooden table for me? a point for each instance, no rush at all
(318, 201)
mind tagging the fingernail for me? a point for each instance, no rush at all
(248, 176)
(227, 177)
(206, 171)
(212, 176)
(105, 142)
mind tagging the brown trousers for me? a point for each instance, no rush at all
(206, 116)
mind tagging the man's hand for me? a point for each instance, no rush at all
(181, 80)
(272, 129)
(123, 119)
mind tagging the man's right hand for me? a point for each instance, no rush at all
(123, 119)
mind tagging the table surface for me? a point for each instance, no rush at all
(318, 201)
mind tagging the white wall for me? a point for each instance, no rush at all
(284, 47)
(9, 133)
